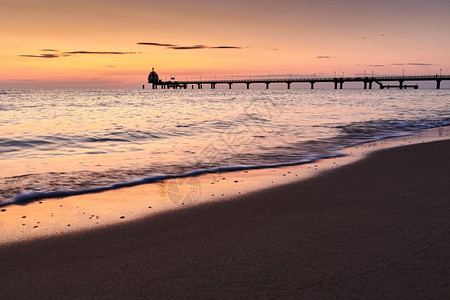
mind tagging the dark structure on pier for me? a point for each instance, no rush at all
(338, 82)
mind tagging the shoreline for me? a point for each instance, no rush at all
(379, 229)
(68, 215)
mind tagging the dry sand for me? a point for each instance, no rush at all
(377, 228)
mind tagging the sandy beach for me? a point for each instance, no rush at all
(377, 228)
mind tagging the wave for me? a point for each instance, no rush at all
(353, 134)
(28, 197)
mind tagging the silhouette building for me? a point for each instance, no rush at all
(153, 77)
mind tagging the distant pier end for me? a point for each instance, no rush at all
(367, 81)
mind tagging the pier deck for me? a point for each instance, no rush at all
(338, 82)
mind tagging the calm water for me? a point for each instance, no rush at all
(74, 140)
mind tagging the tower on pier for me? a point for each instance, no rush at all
(153, 78)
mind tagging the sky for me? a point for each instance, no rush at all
(115, 43)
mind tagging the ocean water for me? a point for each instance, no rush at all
(60, 142)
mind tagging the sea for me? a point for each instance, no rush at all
(55, 143)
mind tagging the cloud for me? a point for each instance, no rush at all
(41, 55)
(70, 53)
(189, 47)
(420, 64)
(225, 47)
(324, 56)
(157, 44)
(98, 52)
(375, 65)
(193, 47)
(412, 64)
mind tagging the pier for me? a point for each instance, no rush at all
(338, 82)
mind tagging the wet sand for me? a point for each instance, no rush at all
(60, 216)
(377, 228)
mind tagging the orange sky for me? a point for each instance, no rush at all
(95, 43)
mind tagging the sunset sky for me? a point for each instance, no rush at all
(114, 43)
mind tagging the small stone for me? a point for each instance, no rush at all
(68, 225)
(40, 202)
(149, 207)
(3, 209)
(122, 217)
(23, 217)
(236, 181)
(36, 226)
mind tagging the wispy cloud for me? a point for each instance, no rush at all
(193, 47)
(189, 47)
(412, 64)
(71, 53)
(41, 55)
(375, 65)
(98, 52)
(420, 64)
(324, 56)
(226, 47)
(157, 44)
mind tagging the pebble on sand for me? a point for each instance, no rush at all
(3, 209)
(122, 217)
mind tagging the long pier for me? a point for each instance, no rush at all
(368, 82)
